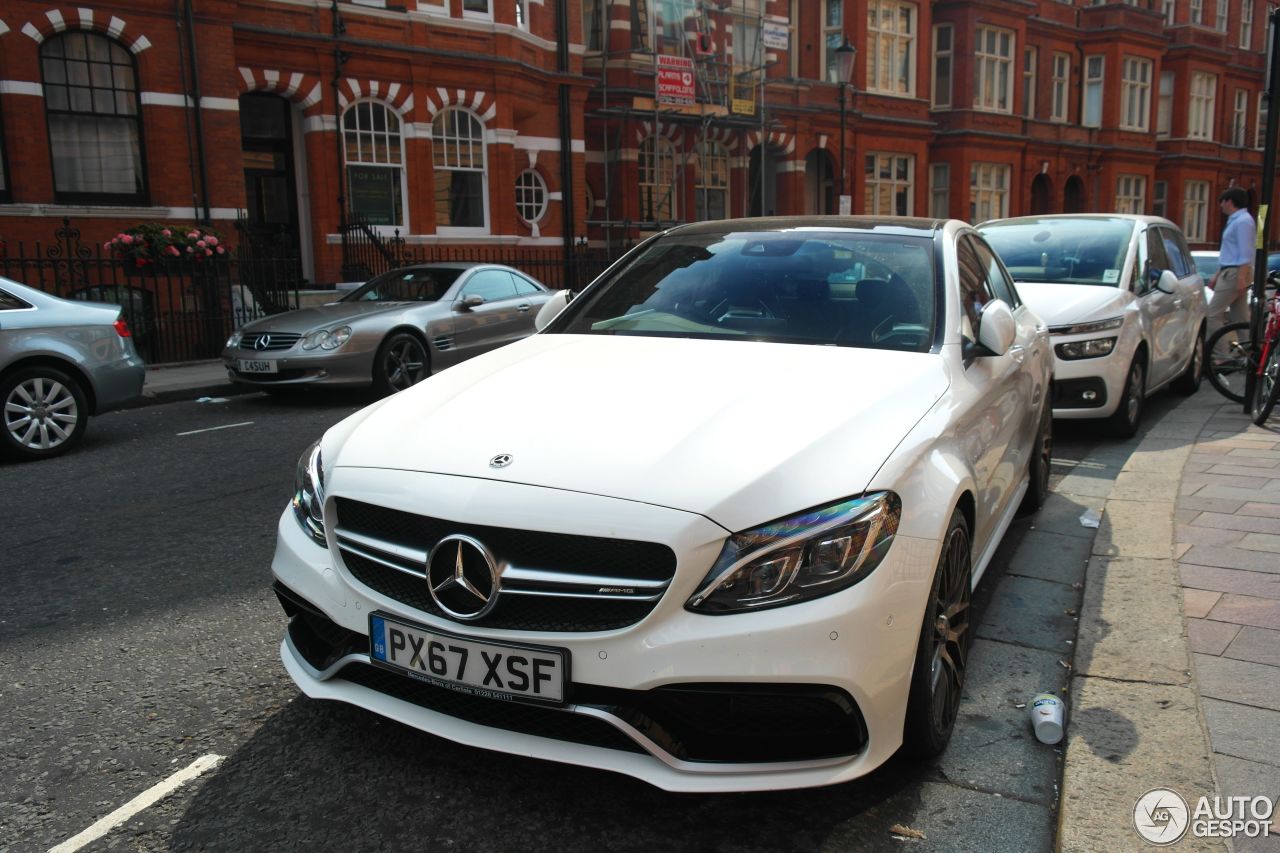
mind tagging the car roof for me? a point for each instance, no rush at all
(895, 225)
(1097, 217)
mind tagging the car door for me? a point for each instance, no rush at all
(535, 296)
(998, 431)
(1158, 310)
(1190, 291)
(501, 318)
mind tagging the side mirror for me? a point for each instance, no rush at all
(1165, 282)
(996, 327)
(551, 308)
(469, 302)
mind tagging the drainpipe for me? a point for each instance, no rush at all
(195, 95)
(567, 196)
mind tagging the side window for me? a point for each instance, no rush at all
(491, 284)
(998, 278)
(1157, 258)
(9, 302)
(975, 289)
(1183, 263)
(524, 287)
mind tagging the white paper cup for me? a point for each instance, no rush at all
(1048, 717)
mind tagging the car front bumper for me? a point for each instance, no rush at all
(853, 649)
(294, 367)
(1104, 376)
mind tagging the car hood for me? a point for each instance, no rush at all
(1064, 304)
(321, 316)
(741, 432)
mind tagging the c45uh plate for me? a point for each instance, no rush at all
(476, 667)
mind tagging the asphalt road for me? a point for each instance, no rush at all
(141, 634)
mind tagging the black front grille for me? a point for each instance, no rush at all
(268, 341)
(556, 552)
(497, 713)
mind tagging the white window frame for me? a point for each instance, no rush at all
(1240, 120)
(942, 95)
(1164, 105)
(1095, 77)
(832, 38)
(437, 155)
(993, 52)
(714, 171)
(1195, 208)
(1135, 94)
(1131, 194)
(1061, 108)
(362, 161)
(901, 173)
(531, 197)
(1200, 112)
(891, 52)
(1030, 59)
(940, 190)
(522, 14)
(477, 14)
(1170, 8)
(1246, 24)
(1220, 16)
(988, 191)
(654, 153)
(1197, 12)
(1160, 199)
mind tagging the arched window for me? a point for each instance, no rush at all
(531, 196)
(92, 106)
(374, 154)
(657, 180)
(458, 155)
(712, 200)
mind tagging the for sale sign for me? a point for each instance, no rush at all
(675, 80)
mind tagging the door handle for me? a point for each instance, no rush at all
(1018, 352)
(1177, 303)
(522, 308)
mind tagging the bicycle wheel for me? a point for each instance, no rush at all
(1229, 358)
(1265, 388)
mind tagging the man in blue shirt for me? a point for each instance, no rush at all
(1235, 262)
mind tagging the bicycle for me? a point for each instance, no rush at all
(1232, 357)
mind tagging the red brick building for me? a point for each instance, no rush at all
(449, 120)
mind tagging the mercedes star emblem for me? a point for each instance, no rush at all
(502, 460)
(262, 342)
(463, 577)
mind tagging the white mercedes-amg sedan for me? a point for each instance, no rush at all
(716, 526)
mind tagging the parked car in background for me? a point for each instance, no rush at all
(795, 445)
(1206, 261)
(60, 362)
(392, 332)
(1124, 302)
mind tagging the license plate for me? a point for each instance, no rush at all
(478, 668)
(245, 365)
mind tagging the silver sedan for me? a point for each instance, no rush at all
(392, 332)
(60, 362)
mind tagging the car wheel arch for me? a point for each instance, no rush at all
(66, 366)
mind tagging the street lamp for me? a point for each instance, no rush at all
(845, 56)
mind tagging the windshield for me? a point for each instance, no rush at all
(413, 285)
(1206, 265)
(1066, 251)
(797, 286)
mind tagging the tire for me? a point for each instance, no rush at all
(1228, 354)
(1266, 387)
(45, 413)
(942, 652)
(400, 363)
(1128, 415)
(1188, 382)
(1041, 461)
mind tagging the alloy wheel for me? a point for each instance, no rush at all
(1133, 399)
(404, 363)
(41, 413)
(950, 634)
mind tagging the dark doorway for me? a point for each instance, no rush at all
(1073, 195)
(271, 198)
(820, 183)
(1041, 193)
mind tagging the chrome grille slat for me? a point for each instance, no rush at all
(278, 341)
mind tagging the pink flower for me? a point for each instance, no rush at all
(166, 232)
(120, 236)
(194, 235)
(190, 250)
(173, 250)
(221, 251)
(211, 240)
(208, 252)
(106, 247)
(127, 239)
(201, 244)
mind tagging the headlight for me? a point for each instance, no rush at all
(795, 559)
(1085, 349)
(308, 493)
(234, 340)
(326, 338)
(1086, 328)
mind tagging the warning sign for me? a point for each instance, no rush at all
(675, 80)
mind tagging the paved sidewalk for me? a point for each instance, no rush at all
(169, 383)
(1228, 553)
